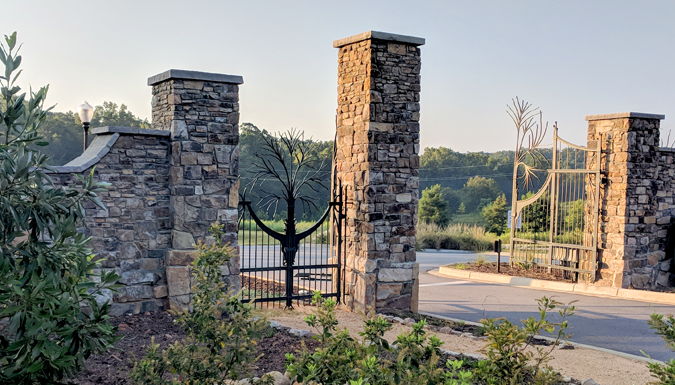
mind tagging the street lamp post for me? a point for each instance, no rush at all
(86, 112)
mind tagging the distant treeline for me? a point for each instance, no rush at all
(63, 130)
(468, 180)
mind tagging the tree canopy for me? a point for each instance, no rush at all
(63, 130)
(432, 206)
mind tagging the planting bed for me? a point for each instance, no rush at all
(516, 271)
(114, 367)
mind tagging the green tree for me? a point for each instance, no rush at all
(55, 314)
(109, 114)
(461, 209)
(453, 169)
(432, 206)
(477, 189)
(574, 215)
(453, 197)
(63, 130)
(495, 215)
(536, 216)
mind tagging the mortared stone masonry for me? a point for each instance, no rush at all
(378, 135)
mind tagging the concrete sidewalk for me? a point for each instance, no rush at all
(610, 323)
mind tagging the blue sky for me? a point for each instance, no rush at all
(571, 58)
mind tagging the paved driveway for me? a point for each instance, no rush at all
(604, 322)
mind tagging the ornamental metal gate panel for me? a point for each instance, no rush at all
(281, 266)
(557, 226)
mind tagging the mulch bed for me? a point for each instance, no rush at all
(113, 367)
(535, 272)
(266, 287)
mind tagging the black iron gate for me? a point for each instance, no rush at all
(291, 264)
(282, 265)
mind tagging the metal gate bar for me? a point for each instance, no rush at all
(559, 222)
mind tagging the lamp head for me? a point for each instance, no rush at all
(86, 112)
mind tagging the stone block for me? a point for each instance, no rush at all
(182, 240)
(137, 276)
(663, 279)
(181, 257)
(178, 280)
(150, 264)
(395, 275)
(387, 290)
(180, 302)
(125, 235)
(640, 281)
(134, 293)
(161, 291)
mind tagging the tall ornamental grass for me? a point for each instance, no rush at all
(454, 237)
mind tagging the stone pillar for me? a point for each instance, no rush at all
(201, 110)
(629, 222)
(377, 160)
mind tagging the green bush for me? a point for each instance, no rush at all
(414, 357)
(512, 358)
(665, 327)
(341, 359)
(221, 332)
(56, 314)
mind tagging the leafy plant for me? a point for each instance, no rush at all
(56, 315)
(342, 359)
(665, 327)
(511, 355)
(221, 332)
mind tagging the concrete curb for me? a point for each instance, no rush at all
(577, 288)
(576, 344)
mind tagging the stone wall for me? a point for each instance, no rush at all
(377, 161)
(168, 185)
(132, 234)
(636, 200)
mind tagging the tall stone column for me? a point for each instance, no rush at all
(377, 160)
(630, 221)
(202, 112)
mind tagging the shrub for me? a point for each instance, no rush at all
(56, 315)
(341, 359)
(414, 357)
(511, 356)
(665, 327)
(221, 333)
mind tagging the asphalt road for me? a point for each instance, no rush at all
(604, 322)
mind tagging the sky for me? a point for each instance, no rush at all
(570, 58)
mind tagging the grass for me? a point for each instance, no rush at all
(249, 236)
(454, 237)
(475, 218)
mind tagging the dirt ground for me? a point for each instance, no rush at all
(579, 363)
(534, 272)
(113, 367)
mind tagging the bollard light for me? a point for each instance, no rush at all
(86, 112)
